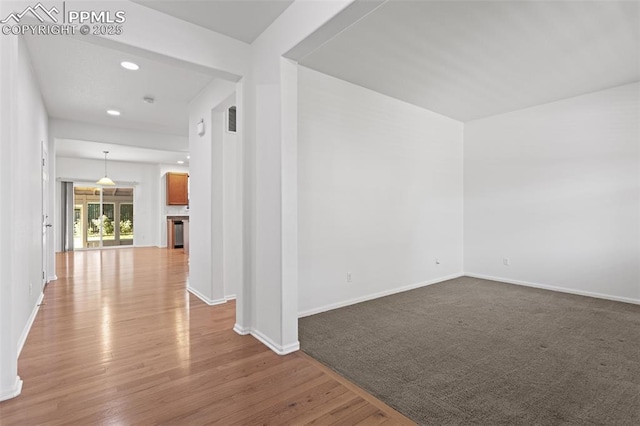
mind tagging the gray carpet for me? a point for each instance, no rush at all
(470, 351)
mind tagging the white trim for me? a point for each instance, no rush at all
(280, 350)
(205, 299)
(554, 288)
(230, 297)
(376, 295)
(241, 330)
(27, 327)
(290, 348)
(15, 390)
(53, 278)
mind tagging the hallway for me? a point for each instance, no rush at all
(119, 340)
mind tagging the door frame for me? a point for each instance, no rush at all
(46, 222)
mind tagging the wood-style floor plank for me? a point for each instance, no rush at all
(119, 340)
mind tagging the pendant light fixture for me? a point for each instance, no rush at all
(105, 181)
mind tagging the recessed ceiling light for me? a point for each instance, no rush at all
(129, 66)
(113, 112)
(188, 157)
(180, 162)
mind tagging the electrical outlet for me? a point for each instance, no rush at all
(348, 277)
(505, 261)
(437, 261)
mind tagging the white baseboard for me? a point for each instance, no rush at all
(279, 349)
(27, 326)
(241, 330)
(205, 299)
(376, 295)
(53, 278)
(290, 348)
(554, 288)
(14, 391)
(230, 297)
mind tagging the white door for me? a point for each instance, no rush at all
(46, 222)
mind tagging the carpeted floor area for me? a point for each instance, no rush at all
(471, 351)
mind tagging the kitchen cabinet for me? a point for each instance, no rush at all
(177, 189)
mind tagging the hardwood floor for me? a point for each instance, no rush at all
(119, 340)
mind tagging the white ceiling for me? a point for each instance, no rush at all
(473, 59)
(80, 81)
(94, 151)
(243, 20)
(465, 60)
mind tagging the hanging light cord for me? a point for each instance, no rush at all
(105, 163)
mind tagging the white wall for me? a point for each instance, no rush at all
(144, 178)
(380, 193)
(206, 258)
(231, 205)
(65, 129)
(24, 127)
(555, 188)
(53, 232)
(10, 383)
(269, 295)
(160, 36)
(27, 223)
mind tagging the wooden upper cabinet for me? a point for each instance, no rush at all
(177, 189)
